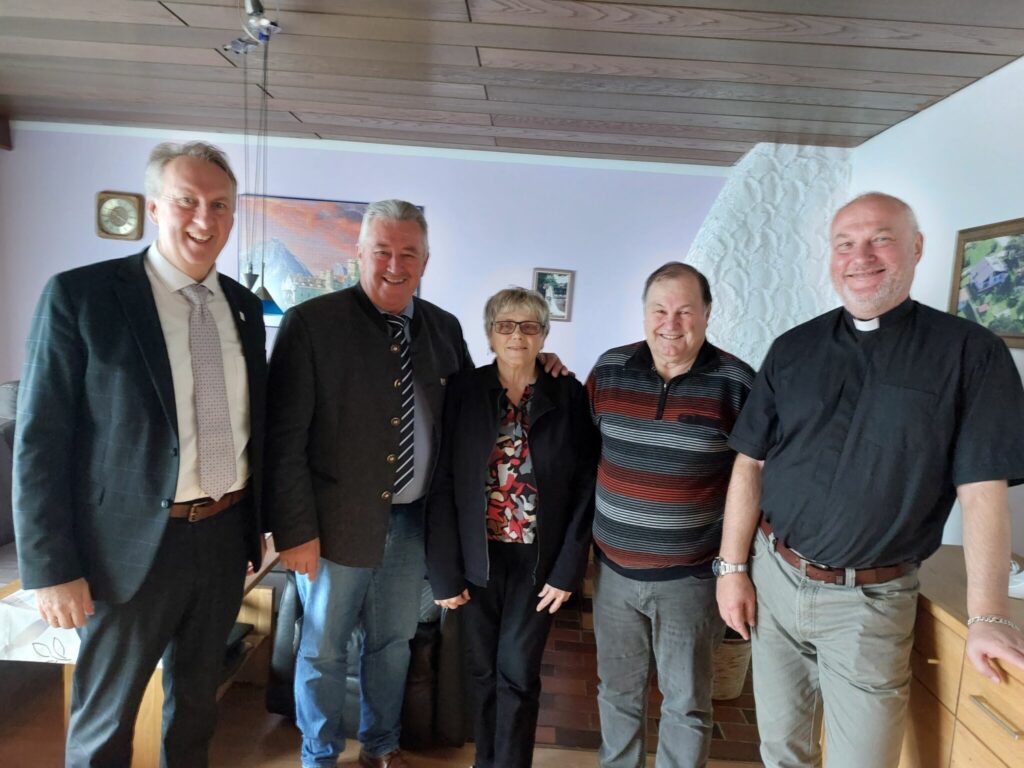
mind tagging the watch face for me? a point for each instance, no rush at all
(716, 566)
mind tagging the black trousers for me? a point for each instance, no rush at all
(506, 637)
(181, 614)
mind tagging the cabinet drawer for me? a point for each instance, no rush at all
(929, 735)
(969, 752)
(937, 658)
(995, 713)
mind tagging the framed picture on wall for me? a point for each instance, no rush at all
(988, 278)
(291, 249)
(555, 285)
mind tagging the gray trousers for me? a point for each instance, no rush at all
(677, 623)
(832, 652)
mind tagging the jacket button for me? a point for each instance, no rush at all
(395, 421)
(386, 496)
(398, 383)
(392, 458)
(174, 451)
(165, 503)
(395, 348)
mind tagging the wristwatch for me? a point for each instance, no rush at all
(719, 567)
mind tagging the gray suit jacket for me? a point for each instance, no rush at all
(331, 398)
(96, 444)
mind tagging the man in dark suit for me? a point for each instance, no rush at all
(137, 464)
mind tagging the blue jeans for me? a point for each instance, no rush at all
(677, 623)
(383, 602)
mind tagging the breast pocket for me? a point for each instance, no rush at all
(901, 415)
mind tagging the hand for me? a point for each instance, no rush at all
(552, 596)
(66, 605)
(305, 558)
(737, 602)
(988, 642)
(451, 603)
(551, 364)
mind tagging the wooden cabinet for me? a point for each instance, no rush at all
(957, 718)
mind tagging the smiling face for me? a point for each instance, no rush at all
(675, 322)
(392, 259)
(194, 211)
(875, 248)
(517, 349)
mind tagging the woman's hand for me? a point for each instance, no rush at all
(553, 597)
(451, 603)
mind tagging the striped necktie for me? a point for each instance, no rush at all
(404, 461)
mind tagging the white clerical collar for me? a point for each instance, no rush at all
(865, 325)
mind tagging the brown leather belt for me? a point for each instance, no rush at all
(200, 509)
(861, 576)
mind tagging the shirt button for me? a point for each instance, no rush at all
(165, 503)
(392, 458)
(395, 348)
(398, 383)
(395, 421)
(386, 496)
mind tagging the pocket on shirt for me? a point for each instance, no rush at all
(902, 415)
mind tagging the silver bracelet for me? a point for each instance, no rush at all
(990, 618)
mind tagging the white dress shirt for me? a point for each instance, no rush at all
(174, 311)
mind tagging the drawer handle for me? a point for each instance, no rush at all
(984, 707)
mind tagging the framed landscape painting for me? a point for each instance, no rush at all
(988, 279)
(555, 285)
(291, 249)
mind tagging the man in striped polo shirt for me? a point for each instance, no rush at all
(665, 407)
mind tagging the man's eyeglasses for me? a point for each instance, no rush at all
(508, 327)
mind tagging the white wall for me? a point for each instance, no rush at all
(959, 164)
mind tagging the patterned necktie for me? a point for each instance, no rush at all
(404, 462)
(214, 440)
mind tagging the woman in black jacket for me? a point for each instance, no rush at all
(508, 518)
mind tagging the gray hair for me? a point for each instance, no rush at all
(674, 270)
(164, 153)
(908, 212)
(515, 297)
(394, 210)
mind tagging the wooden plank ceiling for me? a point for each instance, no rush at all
(684, 81)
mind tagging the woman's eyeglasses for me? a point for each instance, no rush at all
(508, 327)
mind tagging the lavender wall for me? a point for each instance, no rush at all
(493, 219)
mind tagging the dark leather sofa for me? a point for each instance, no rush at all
(8, 403)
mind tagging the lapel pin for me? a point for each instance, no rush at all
(241, 315)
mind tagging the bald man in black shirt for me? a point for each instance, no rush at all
(863, 427)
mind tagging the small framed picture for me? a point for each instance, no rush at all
(555, 285)
(988, 279)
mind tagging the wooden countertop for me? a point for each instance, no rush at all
(944, 589)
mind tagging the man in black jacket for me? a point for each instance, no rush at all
(356, 389)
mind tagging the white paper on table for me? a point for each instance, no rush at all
(24, 636)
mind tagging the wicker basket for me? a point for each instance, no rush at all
(732, 660)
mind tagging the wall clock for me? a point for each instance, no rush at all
(119, 215)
